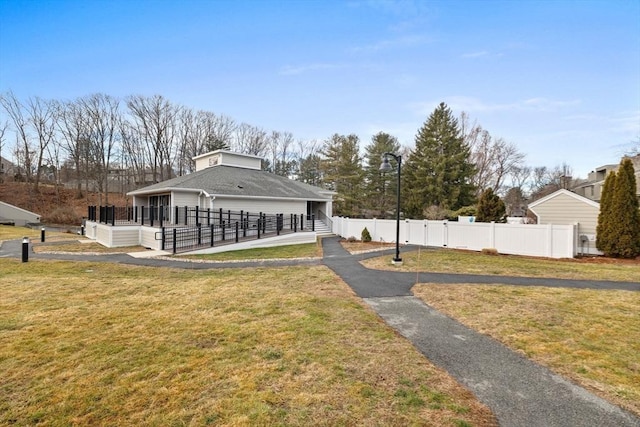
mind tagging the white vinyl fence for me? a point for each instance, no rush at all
(553, 241)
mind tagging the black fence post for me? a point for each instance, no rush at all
(295, 223)
(264, 223)
(212, 231)
(259, 225)
(197, 216)
(186, 215)
(301, 222)
(220, 216)
(113, 215)
(224, 231)
(142, 215)
(164, 239)
(208, 216)
(237, 232)
(199, 234)
(151, 214)
(313, 222)
(278, 224)
(42, 234)
(175, 240)
(161, 215)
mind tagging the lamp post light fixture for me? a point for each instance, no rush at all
(386, 167)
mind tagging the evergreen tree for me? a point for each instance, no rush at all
(438, 171)
(343, 173)
(625, 218)
(606, 217)
(490, 207)
(380, 193)
(309, 170)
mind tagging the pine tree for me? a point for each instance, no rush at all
(490, 207)
(606, 217)
(343, 173)
(380, 188)
(438, 171)
(625, 227)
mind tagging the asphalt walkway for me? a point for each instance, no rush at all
(518, 391)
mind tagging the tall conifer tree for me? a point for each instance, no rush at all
(380, 188)
(438, 171)
(625, 225)
(343, 171)
(606, 216)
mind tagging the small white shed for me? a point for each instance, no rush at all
(567, 208)
(18, 216)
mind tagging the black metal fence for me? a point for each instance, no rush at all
(187, 228)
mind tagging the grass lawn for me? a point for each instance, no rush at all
(100, 344)
(468, 262)
(589, 336)
(307, 250)
(8, 232)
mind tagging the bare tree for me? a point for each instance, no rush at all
(104, 121)
(494, 159)
(24, 150)
(73, 124)
(3, 129)
(250, 140)
(42, 118)
(156, 118)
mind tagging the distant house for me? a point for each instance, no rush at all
(10, 214)
(564, 207)
(227, 180)
(229, 198)
(7, 169)
(592, 187)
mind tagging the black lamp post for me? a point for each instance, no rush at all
(386, 167)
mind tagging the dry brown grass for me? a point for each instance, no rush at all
(100, 344)
(359, 246)
(589, 336)
(458, 261)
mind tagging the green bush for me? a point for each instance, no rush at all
(365, 236)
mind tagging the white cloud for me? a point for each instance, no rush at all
(399, 42)
(478, 54)
(475, 105)
(289, 70)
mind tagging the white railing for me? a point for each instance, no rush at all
(553, 241)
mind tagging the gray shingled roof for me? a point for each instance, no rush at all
(235, 181)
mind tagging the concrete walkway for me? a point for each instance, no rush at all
(518, 391)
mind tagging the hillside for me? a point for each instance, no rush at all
(55, 206)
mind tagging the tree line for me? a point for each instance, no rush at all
(153, 139)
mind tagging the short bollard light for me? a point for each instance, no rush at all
(42, 235)
(25, 249)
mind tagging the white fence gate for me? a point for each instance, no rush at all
(553, 241)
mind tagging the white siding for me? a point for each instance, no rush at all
(20, 217)
(148, 238)
(125, 236)
(261, 205)
(184, 198)
(567, 210)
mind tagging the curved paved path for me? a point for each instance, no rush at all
(519, 391)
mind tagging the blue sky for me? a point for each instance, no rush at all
(559, 79)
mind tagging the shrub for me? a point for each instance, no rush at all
(490, 207)
(63, 215)
(365, 236)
